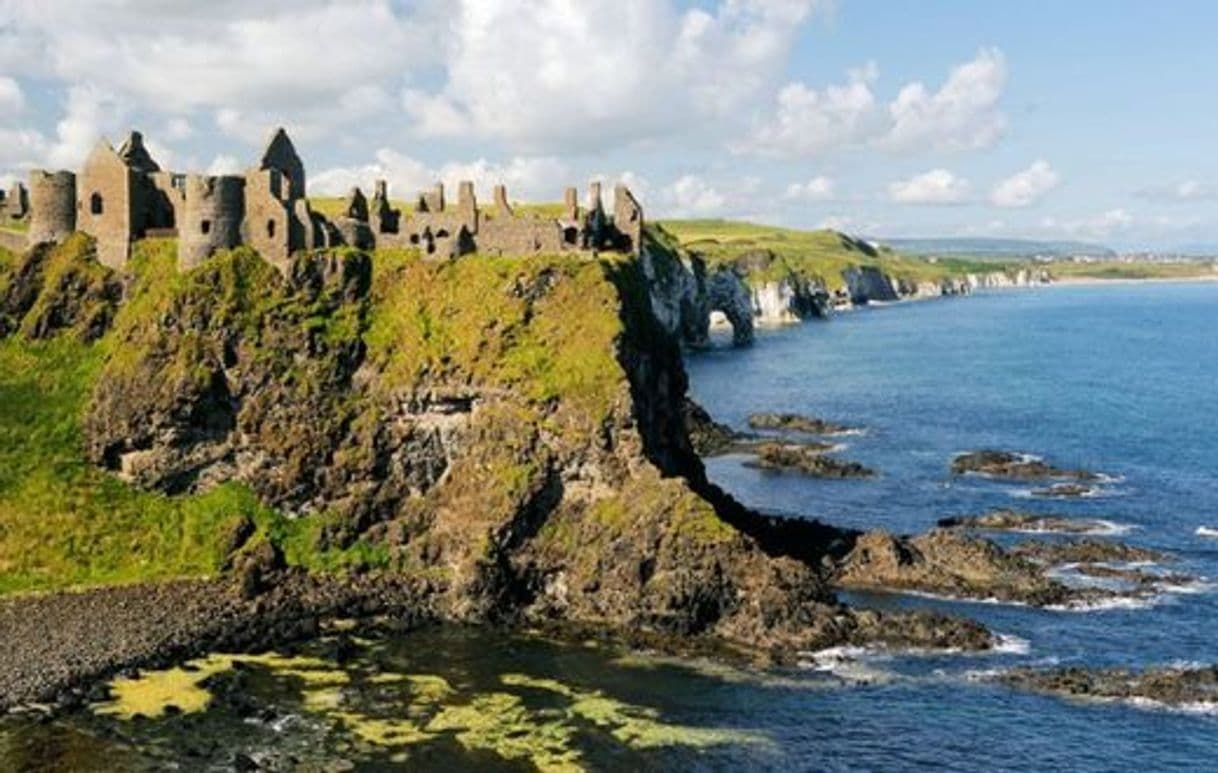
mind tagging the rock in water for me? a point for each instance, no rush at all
(1013, 466)
(794, 422)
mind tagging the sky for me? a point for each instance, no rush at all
(1084, 120)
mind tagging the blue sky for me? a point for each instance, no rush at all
(1071, 120)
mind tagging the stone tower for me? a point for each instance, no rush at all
(214, 209)
(53, 206)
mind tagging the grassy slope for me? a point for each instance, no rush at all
(64, 523)
(821, 255)
(1134, 270)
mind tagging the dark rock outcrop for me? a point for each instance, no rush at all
(1019, 521)
(1006, 464)
(807, 460)
(794, 422)
(1169, 686)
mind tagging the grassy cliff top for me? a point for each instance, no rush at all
(543, 329)
(1130, 270)
(821, 254)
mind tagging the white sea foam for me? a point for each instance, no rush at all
(852, 664)
(1011, 645)
(1207, 531)
(1200, 708)
(1109, 604)
(1095, 527)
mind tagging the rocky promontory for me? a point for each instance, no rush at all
(506, 435)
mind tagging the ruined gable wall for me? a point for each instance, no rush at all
(281, 155)
(105, 203)
(268, 221)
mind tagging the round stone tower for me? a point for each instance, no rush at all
(211, 220)
(52, 206)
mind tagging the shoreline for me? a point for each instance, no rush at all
(1075, 281)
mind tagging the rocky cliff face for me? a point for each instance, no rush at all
(507, 432)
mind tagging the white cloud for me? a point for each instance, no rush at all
(692, 196)
(12, 99)
(272, 62)
(807, 122)
(224, 164)
(558, 74)
(1185, 190)
(819, 188)
(1027, 187)
(1101, 226)
(962, 114)
(938, 186)
(91, 114)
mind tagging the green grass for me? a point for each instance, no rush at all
(65, 523)
(16, 226)
(820, 255)
(1132, 270)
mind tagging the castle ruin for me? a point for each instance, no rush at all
(121, 196)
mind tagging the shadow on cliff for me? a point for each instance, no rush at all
(652, 359)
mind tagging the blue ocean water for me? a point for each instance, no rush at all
(1116, 378)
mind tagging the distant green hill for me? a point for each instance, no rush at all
(822, 255)
(997, 248)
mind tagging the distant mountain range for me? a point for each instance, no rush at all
(996, 248)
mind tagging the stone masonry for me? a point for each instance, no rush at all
(121, 196)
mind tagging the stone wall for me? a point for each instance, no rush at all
(268, 218)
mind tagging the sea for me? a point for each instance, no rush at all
(1115, 378)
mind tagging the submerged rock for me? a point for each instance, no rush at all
(1006, 464)
(1020, 521)
(1065, 490)
(1086, 551)
(794, 422)
(1181, 687)
(808, 460)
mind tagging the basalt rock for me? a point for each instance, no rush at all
(1064, 490)
(807, 460)
(1005, 464)
(794, 422)
(1019, 521)
(1089, 551)
(1166, 685)
(946, 563)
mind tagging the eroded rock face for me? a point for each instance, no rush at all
(511, 431)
